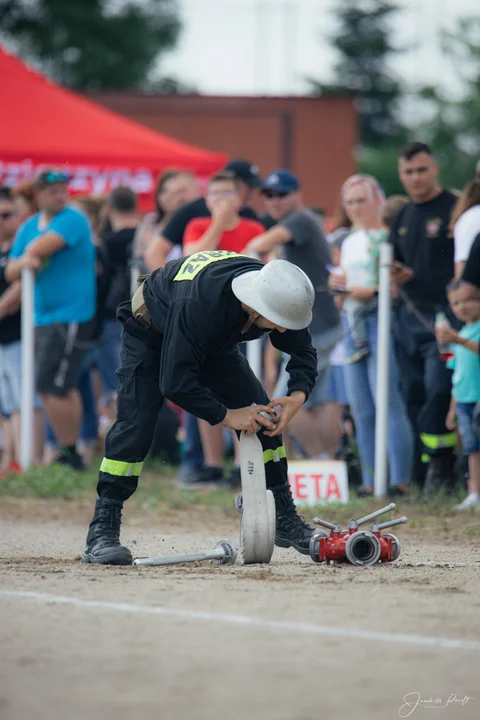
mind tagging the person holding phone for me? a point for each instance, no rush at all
(364, 202)
(424, 265)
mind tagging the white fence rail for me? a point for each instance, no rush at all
(28, 361)
(383, 372)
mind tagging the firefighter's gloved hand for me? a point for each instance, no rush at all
(286, 408)
(250, 419)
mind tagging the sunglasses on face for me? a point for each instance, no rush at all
(271, 194)
(6, 215)
(55, 177)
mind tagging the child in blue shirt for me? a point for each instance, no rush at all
(464, 300)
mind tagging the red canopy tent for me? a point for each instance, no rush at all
(42, 124)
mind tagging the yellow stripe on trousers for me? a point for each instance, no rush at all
(121, 468)
(435, 442)
(275, 455)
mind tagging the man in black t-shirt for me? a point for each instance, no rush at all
(117, 245)
(248, 179)
(424, 255)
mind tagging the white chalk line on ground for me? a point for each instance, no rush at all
(195, 615)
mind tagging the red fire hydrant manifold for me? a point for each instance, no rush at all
(355, 546)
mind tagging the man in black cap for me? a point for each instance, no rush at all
(300, 239)
(249, 181)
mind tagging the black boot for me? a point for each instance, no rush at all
(72, 460)
(103, 539)
(440, 475)
(292, 530)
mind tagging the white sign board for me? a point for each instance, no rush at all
(314, 482)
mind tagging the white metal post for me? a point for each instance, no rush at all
(254, 347)
(28, 359)
(383, 371)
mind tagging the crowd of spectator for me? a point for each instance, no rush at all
(88, 252)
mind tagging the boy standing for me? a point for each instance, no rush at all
(464, 300)
(225, 230)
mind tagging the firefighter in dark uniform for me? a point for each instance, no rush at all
(424, 254)
(180, 343)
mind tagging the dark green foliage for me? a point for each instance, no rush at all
(91, 44)
(453, 127)
(364, 45)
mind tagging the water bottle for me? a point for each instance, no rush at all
(443, 348)
(336, 270)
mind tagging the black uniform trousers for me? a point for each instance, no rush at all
(139, 401)
(426, 382)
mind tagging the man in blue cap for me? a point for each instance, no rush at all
(298, 237)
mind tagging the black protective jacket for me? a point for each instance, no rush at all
(192, 303)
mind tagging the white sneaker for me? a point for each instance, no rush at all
(471, 502)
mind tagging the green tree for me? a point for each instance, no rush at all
(171, 86)
(91, 44)
(364, 46)
(453, 127)
(382, 163)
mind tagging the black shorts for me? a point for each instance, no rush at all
(59, 350)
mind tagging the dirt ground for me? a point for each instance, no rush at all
(288, 641)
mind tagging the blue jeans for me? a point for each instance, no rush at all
(193, 452)
(324, 344)
(336, 385)
(470, 441)
(11, 379)
(360, 381)
(109, 357)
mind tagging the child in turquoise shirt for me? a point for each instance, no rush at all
(464, 300)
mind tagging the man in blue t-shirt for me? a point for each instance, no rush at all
(57, 244)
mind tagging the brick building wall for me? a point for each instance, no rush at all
(313, 137)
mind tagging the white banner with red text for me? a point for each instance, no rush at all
(314, 482)
(88, 179)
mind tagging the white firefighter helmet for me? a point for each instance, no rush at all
(280, 292)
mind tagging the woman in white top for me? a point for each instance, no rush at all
(363, 201)
(466, 224)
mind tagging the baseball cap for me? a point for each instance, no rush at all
(282, 181)
(50, 177)
(245, 171)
